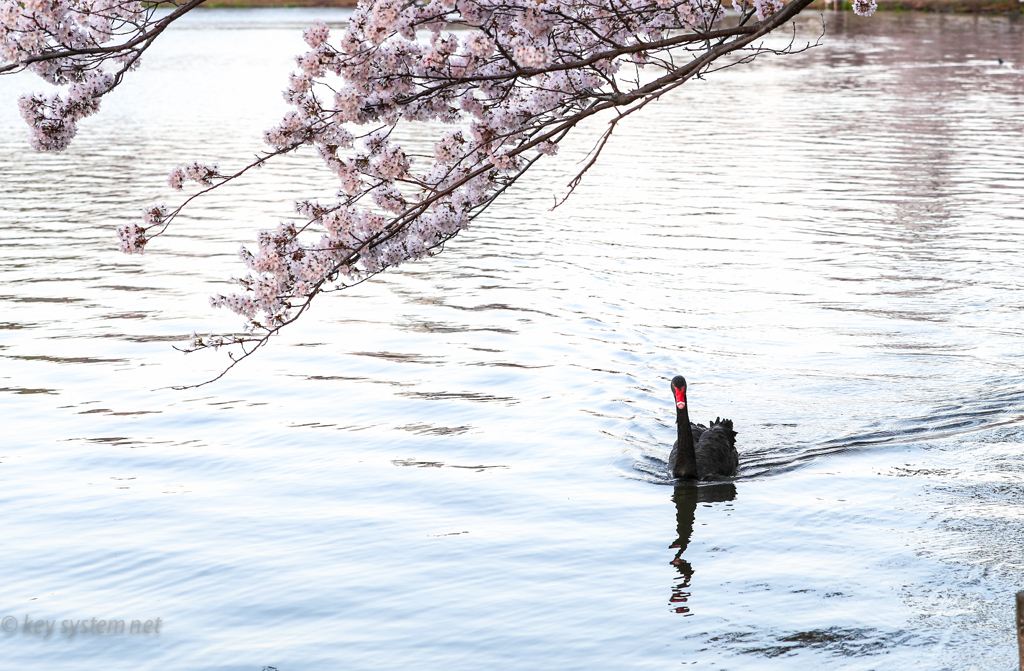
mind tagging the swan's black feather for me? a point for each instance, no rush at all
(715, 446)
(697, 430)
(716, 450)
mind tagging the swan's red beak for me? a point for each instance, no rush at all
(680, 397)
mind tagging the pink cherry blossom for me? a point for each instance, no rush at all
(495, 84)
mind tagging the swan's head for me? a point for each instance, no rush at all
(679, 390)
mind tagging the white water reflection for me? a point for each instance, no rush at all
(456, 466)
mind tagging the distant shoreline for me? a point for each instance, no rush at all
(958, 6)
(951, 6)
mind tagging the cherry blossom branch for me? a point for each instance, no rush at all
(134, 237)
(505, 90)
(145, 37)
(544, 132)
(66, 43)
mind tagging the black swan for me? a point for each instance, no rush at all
(700, 451)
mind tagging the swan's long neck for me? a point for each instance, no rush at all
(686, 455)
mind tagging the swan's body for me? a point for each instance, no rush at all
(700, 451)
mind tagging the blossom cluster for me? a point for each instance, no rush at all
(53, 118)
(864, 7)
(133, 236)
(193, 172)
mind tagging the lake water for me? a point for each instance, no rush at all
(458, 464)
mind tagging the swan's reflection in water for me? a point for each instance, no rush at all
(687, 497)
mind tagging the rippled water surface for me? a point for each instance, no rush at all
(458, 465)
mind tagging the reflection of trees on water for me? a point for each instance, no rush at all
(687, 497)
